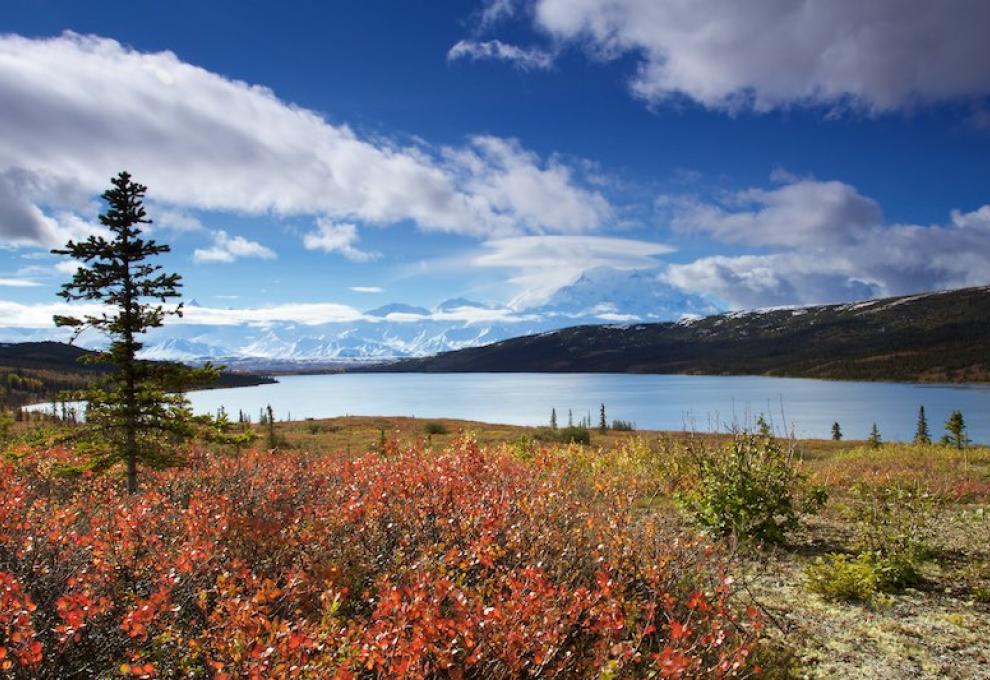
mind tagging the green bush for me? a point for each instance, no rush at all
(576, 434)
(751, 487)
(623, 426)
(861, 577)
(894, 523)
(844, 578)
(432, 428)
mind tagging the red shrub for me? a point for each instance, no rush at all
(464, 564)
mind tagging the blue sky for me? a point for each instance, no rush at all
(496, 150)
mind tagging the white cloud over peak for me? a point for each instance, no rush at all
(879, 55)
(331, 237)
(229, 248)
(524, 58)
(827, 243)
(367, 289)
(202, 141)
(541, 265)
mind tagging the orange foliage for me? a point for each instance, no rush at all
(464, 564)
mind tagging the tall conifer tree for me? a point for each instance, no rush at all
(137, 410)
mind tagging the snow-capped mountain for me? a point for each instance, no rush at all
(612, 295)
(400, 330)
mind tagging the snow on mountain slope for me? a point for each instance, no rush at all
(400, 330)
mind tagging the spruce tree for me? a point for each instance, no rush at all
(602, 423)
(270, 422)
(137, 411)
(955, 431)
(921, 434)
(874, 439)
(836, 431)
(553, 419)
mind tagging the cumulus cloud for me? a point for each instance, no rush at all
(367, 289)
(539, 197)
(543, 264)
(22, 222)
(879, 55)
(523, 58)
(828, 243)
(803, 212)
(176, 220)
(331, 237)
(229, 248)
(201, 141)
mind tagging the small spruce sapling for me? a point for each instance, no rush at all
(874, 440)
(955, 431)
(836, 432)
(921, 434)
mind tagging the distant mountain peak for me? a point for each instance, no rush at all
(397, 308)
(608, 293)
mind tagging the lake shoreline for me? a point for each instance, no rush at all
(651, 402)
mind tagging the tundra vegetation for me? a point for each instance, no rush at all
(387, 547)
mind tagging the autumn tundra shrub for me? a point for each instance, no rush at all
(467, 563)
(750, 487)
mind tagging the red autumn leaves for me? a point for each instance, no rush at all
(464, 564)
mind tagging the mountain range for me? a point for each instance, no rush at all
(397, 330)
(933, 337)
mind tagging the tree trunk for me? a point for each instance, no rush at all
(132, 483)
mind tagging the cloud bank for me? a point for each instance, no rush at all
(203, 141)
(827, 243)
(877, 55)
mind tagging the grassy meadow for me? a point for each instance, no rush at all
(366, 547)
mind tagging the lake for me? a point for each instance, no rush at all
(654, 402)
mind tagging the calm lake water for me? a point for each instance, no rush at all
(655, 402)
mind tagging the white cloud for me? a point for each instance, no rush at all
(495, 10)
(18, 283)
(543, 264)
(367, 289)
(828, 243)
(341, 238)
(19, 315)
(537, 197)
(176, 220)
(229, 248)
(880, 55)
(803, 212)
(523, 58)
(67, 266)
(201, 141)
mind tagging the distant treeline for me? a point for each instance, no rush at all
(33, 372)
